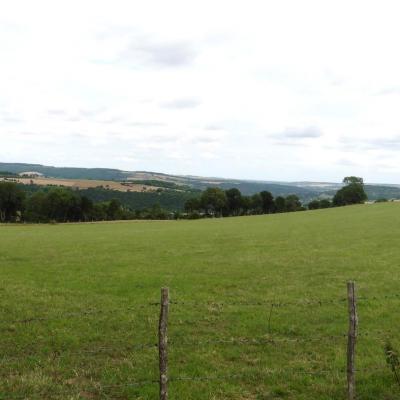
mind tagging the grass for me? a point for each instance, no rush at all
(113, 271)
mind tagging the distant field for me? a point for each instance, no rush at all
(112, 271)
(86, 184)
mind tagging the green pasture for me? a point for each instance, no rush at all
(77, 319)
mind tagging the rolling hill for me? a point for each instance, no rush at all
(184, 185)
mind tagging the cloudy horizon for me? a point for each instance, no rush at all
(262, 90)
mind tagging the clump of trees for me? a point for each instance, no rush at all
(65, 205)
(215, 202)
(11, 201)
(317, 204)
(352, 193)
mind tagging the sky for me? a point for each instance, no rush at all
(282, 90)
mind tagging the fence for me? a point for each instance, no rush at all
(163, 342)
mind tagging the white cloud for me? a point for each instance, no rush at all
(158, 54)
(181, 103)
(265, 90)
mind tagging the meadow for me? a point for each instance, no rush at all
(77, 319)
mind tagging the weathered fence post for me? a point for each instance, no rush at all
(351, 341)
(163, 343)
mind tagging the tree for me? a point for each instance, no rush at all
(292, 203)
(86, 207)
(348, 180)
(192, 205)
(352, 193)
(280, 204)
(267, 202)
(213, 201)
(233, 201)
(246, 204)
(36, 208)
(99, 212)
(325, 203)
(60, 205)
(314, 205)
(256, 203)
(156, 212)
(11, 201)
(114, 209)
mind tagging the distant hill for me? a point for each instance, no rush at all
(183, 184)
(67, 173)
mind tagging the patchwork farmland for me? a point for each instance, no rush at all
(84, 184)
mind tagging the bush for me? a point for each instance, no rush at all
(314, 205)
(194, 215)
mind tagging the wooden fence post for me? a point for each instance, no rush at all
(351, 341)
(163, 344)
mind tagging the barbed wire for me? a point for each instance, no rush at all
(232, 340)
(278, 372)
(53, 353)
(254, 341)
(270, 303)
(237, 376)
(81, 314)
(178, 342)
(278, 304)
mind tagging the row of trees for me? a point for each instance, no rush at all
(217, 202)
(65, 205)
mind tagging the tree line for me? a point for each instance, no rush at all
(215, 202)
(223, 203)
(66, 205)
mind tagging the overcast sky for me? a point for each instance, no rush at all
(274, 90)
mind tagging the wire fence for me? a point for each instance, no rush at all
(239, 341)
(305, 302)
(163, 346)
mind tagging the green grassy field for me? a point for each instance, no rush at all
(92, 285)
